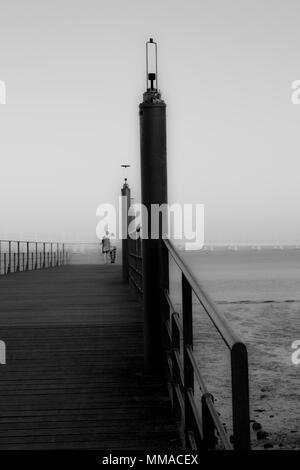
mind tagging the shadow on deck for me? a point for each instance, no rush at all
(73, 378)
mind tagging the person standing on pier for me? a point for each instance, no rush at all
(106, 246)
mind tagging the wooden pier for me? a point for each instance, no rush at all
(78, 342)
(74, 373)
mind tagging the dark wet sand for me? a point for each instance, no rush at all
(259, 295)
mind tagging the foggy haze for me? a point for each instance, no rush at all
(75, 73)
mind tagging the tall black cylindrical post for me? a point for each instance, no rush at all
(154, 191)
(125, 192)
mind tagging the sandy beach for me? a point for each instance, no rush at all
(258, 293)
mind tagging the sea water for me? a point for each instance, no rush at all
(258, 293)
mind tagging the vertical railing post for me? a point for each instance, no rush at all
(4, 261)
(27, 259)
(9, 258)
(125, 192)
(51, 255)
(44, 255)
(187, 321)
(208, 427)
(36, 255)
(18, 255)
(57, 254)
(63, 254)
(176, 379)
(240, 397)
(152, 113)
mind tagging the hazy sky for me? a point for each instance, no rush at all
(75, 74)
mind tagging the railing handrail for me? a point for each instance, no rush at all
(33, 242)
(230, 338)
(182, 367)
(183, 377)
(50, 242)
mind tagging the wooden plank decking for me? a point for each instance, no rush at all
(73, 378)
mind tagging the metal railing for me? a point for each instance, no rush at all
(203, 428)
(135, 262)
(202, 424)
(24, 255)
